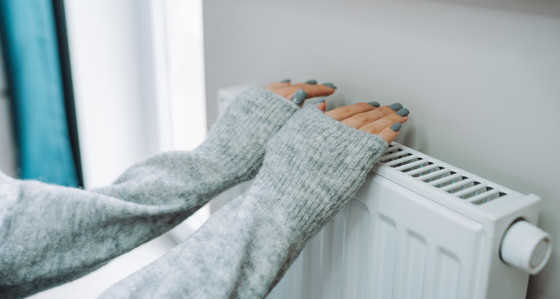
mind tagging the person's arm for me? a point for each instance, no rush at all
(51, 234)
(311, 169)
(232, 153)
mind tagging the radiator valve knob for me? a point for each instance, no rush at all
(526, 247)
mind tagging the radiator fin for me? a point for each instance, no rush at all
(448, 270)
(384, 255)
(433, 173)
(312, 266)
(415, 264)
(332, 256)
(358, 223)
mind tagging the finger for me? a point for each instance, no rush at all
(364, 118)
(314, 90)
(311, 82)
(288, 91)
(344, 112)
(298, 97)
(376, 119)
(390, 133)
(330, 85)
(321, 105)
(278, 85)
(379, 125)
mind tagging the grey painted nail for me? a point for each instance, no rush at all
(374, 104)
(330, 85)
(298, 97)
(286, 81)
(396, 106)
(311, 82)
(403, 112)
(396, 126)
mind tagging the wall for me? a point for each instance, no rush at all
(480, 77)
(110, 49)
(8, 162)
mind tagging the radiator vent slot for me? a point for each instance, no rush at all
(432, 173)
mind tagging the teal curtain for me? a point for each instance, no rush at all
(29, 38)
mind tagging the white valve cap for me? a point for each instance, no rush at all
(526, 247)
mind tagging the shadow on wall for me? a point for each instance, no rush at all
(541, 7)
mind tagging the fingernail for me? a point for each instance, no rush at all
(396, 106)
(330, 85)
(396, 126)
(311, 82)
(319, 102)
(286, 81)
(298, 97)
(374, 104)
(403, 112)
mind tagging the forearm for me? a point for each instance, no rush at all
(232, 153)
(311, 170)
(51, 234)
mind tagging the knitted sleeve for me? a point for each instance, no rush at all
(311, 169)
(51, 234)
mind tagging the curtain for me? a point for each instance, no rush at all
(47, 150)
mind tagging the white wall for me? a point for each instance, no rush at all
(111, 55)
(482, 78)
(8, 162)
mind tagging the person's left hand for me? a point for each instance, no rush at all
(298, 92)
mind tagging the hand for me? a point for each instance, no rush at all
(369, 117)
(300, 91)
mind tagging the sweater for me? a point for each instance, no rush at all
(50, 234)
(311, 169)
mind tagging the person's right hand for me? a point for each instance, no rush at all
(298, 92)
(382, 121)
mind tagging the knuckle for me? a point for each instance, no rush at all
(364, 106)
(386, 110)
(345, 110)
(362, 118)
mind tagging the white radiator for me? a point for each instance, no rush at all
(420, 228)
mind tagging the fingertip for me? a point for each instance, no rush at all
(403, 112)
(390, 133)
(299, 97)
(311, 82)
(326, 91)
(320, 90)
(396, 106)
(374, 104)
(321, 105)
(330, 85)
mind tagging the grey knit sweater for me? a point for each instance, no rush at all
(51, 234)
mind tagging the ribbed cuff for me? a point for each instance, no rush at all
(237, 141)
(313, 166)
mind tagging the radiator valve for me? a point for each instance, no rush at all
(526, 247)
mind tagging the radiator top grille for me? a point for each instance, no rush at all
(432, 172)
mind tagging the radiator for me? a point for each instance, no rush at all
(420, 228)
